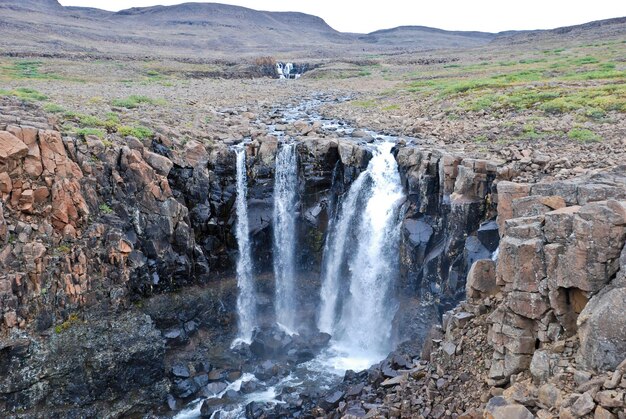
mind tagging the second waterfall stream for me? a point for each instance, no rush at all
(284, 223)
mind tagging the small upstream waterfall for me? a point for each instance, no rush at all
(246, 298)
(367, 314)
(284, 219)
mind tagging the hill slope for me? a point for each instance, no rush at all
(198, 30)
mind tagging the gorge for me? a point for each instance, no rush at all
(208, 211)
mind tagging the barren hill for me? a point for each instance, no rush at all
(202, 30)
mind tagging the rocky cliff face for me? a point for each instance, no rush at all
(541, 334)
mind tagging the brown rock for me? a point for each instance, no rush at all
(590, 259)
(509, 411)
(52, 152)
(507, 192)
(10, 319)
(521, 264)
(41, 194)
(6, 185)
(11, 147)
(610, 398)
(583, 405)
(559, 224)
(481, 279)
(527, 304)
(602, 329)
(549, 396)
(267, 151)
(3, 225)
(160, 163)
(194, 153)
(602, 413)
(26, 201)
(536, 205)
(125, 247)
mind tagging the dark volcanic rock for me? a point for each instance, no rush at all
(99, 366)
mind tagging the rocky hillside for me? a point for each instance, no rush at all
(201, 31)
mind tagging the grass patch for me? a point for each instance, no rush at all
(364, 103)
(588, 81)
(584, 135)
(72, 319)
(84, 132)
(134, 101)
(26, 69)
(53, 108)
(585, 60)
(105, 209)
(137, 131)
(25, 93)
(391, 108)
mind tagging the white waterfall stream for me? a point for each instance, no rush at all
(284, 219)
(361, 329)
(246, 297)
(334, 251)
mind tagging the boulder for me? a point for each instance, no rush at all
(549, 396)
(332, 400)
(11, 148)
(602, 413)
(489, 235)
(583, 405)
(602, 330)
(507, 192)
(160, 163)
(590, 258)
(481, 279)
(500, 408)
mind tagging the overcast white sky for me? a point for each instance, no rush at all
(370, 15)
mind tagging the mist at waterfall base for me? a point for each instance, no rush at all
(358, 275)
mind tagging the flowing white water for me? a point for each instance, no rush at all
(246, 298)
(364, 330)
(285, 200)
(334, 251)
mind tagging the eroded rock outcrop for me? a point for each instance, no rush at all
(552, 259)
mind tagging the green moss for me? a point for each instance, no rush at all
(585, 60)
(63, 248)
(480, 139)
(84, 132)
(72, 319)
(364, 103)
(25, 93)
(27, 69)
(135, 101)
(559, 105)
(137, 131)
(583, 135)
(105, 209)
(53, 108)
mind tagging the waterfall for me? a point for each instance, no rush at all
(334, 251)
(367, 313)
(246, 298)
(284, 218)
